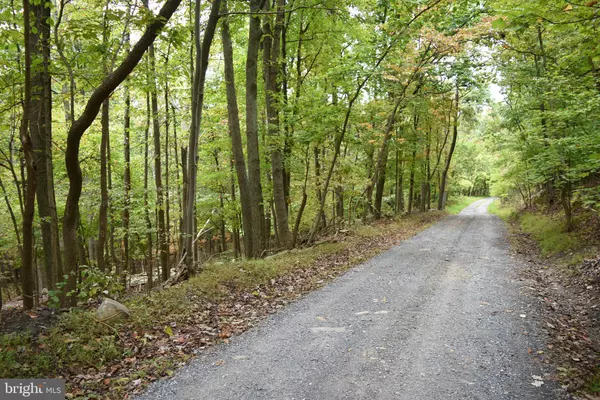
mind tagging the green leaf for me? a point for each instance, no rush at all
(499, 24)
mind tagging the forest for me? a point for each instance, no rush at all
(142, 141)
(229, 131)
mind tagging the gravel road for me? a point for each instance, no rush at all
(440, 316)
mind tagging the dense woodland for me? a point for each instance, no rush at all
(140, 140)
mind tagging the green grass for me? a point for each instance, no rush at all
(593, 385)
(550, 233)
(505, 212)
(456, 205)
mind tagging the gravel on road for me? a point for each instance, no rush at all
(440, 316)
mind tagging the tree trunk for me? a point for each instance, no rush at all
(304, 198)
(77, 130)
(236, 223)
(163, 251)
(319, 192)
(565, 196)
(252, 140)
(202, 53)
(442, 194)
(40, 129)
(111, 218)
(150, 253)
(126, 262)
(167, 187)
(103, 216)
(236, 143)
(27, 272)
(411, 188)
(399, 175)
(271, 49)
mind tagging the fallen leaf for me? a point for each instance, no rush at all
(168, 331)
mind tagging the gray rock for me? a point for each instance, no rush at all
(111, 310)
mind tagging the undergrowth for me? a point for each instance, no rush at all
(504, 211)
(550, 232)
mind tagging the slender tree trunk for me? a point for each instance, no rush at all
(126, 180)
(565, 196)
(111, 218)
(222, 226)
(236, 143)
(150, 252)
(441, 199)
(103, 215)
(252, 139)
(271, 48)
(27, 264)
(411, 188)
(236, 222)
(399, 175)
(166, 187)
(163, 251)
(380, 167)
(319, 191)
(304, 198)
(202, 53)
(185, 184)
(179, 185)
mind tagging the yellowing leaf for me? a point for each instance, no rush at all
(168, 330)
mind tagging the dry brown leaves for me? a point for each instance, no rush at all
(569, 306)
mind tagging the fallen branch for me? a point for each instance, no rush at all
(181, 272)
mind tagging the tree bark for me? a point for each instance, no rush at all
(40, 129)
(163, 251)
(166, 189)
(441, 199)
(304, 198)
(103, 215)
(236, 140)
(202, 53)
(150, 253)
(126, 262)
(271, 50)
(252, 140)
(399, 175)
(27, 263)
(380, 168)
